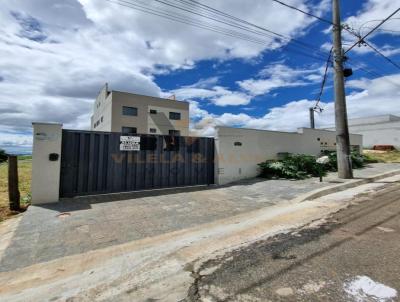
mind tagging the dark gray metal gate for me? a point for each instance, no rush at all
(92, 163)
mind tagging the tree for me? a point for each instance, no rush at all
(3, 156)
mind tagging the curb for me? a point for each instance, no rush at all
(344, 186)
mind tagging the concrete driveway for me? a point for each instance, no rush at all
(79, 225)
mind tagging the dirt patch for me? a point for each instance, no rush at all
(5, 213)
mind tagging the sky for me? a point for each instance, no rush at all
(55, 56)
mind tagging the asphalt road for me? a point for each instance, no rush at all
(352, 256)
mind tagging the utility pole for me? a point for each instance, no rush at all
(342, 129)
(312, 119)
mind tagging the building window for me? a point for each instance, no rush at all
(174, 116)
(237, 143)
(129, 130)
(153, 130)
(132, 111)
(153, 111)
(101, 119)
(171, 143)
(174, 132)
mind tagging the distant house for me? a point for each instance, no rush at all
(116, 111)
(377, 130)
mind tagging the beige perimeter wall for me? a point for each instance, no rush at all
(239, 162)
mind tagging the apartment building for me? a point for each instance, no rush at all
(117, 111)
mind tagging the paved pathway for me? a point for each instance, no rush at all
(79, 225)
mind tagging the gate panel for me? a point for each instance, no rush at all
(91, 163)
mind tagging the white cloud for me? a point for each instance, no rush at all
(217, 95)
(377, 97)
(273, 76)
(231, 98)
(278, 75)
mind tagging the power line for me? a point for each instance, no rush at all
(323, 79)
(288, 39)
(384, 29)
(372, 30)
(311, 15)
(304, 12)
(214, 18)
(181, 19)
(232, 22)
(377, 20)
(204, 25)
(376, 74)
(381, 54)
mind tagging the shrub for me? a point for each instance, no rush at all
(358, 160)
(3, 156)
(302, 166)
(292, 167)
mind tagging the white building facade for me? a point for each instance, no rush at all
(116, 111)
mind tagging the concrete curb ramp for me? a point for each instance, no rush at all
(343, 186)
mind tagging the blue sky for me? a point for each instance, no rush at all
(55, 55)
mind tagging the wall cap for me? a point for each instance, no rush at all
(46, 123)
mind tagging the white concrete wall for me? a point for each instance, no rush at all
(102, 110)
(378, 134)
(240, 162)
(45, 173)
(378, 119)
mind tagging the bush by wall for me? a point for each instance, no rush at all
(302, 166)
(293, 167)
(358, 160)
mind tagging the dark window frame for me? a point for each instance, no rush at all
(176, 116)
(174, 132)
(128, 132)
(126, 109)
(153, 130)
(153, 111)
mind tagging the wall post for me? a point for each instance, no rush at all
(13, 190)
(46, 162)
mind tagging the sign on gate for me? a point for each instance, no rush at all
(129, 143)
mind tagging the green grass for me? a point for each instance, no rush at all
(24, 176)
(384, 157)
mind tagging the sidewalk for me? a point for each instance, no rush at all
(92, 223)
